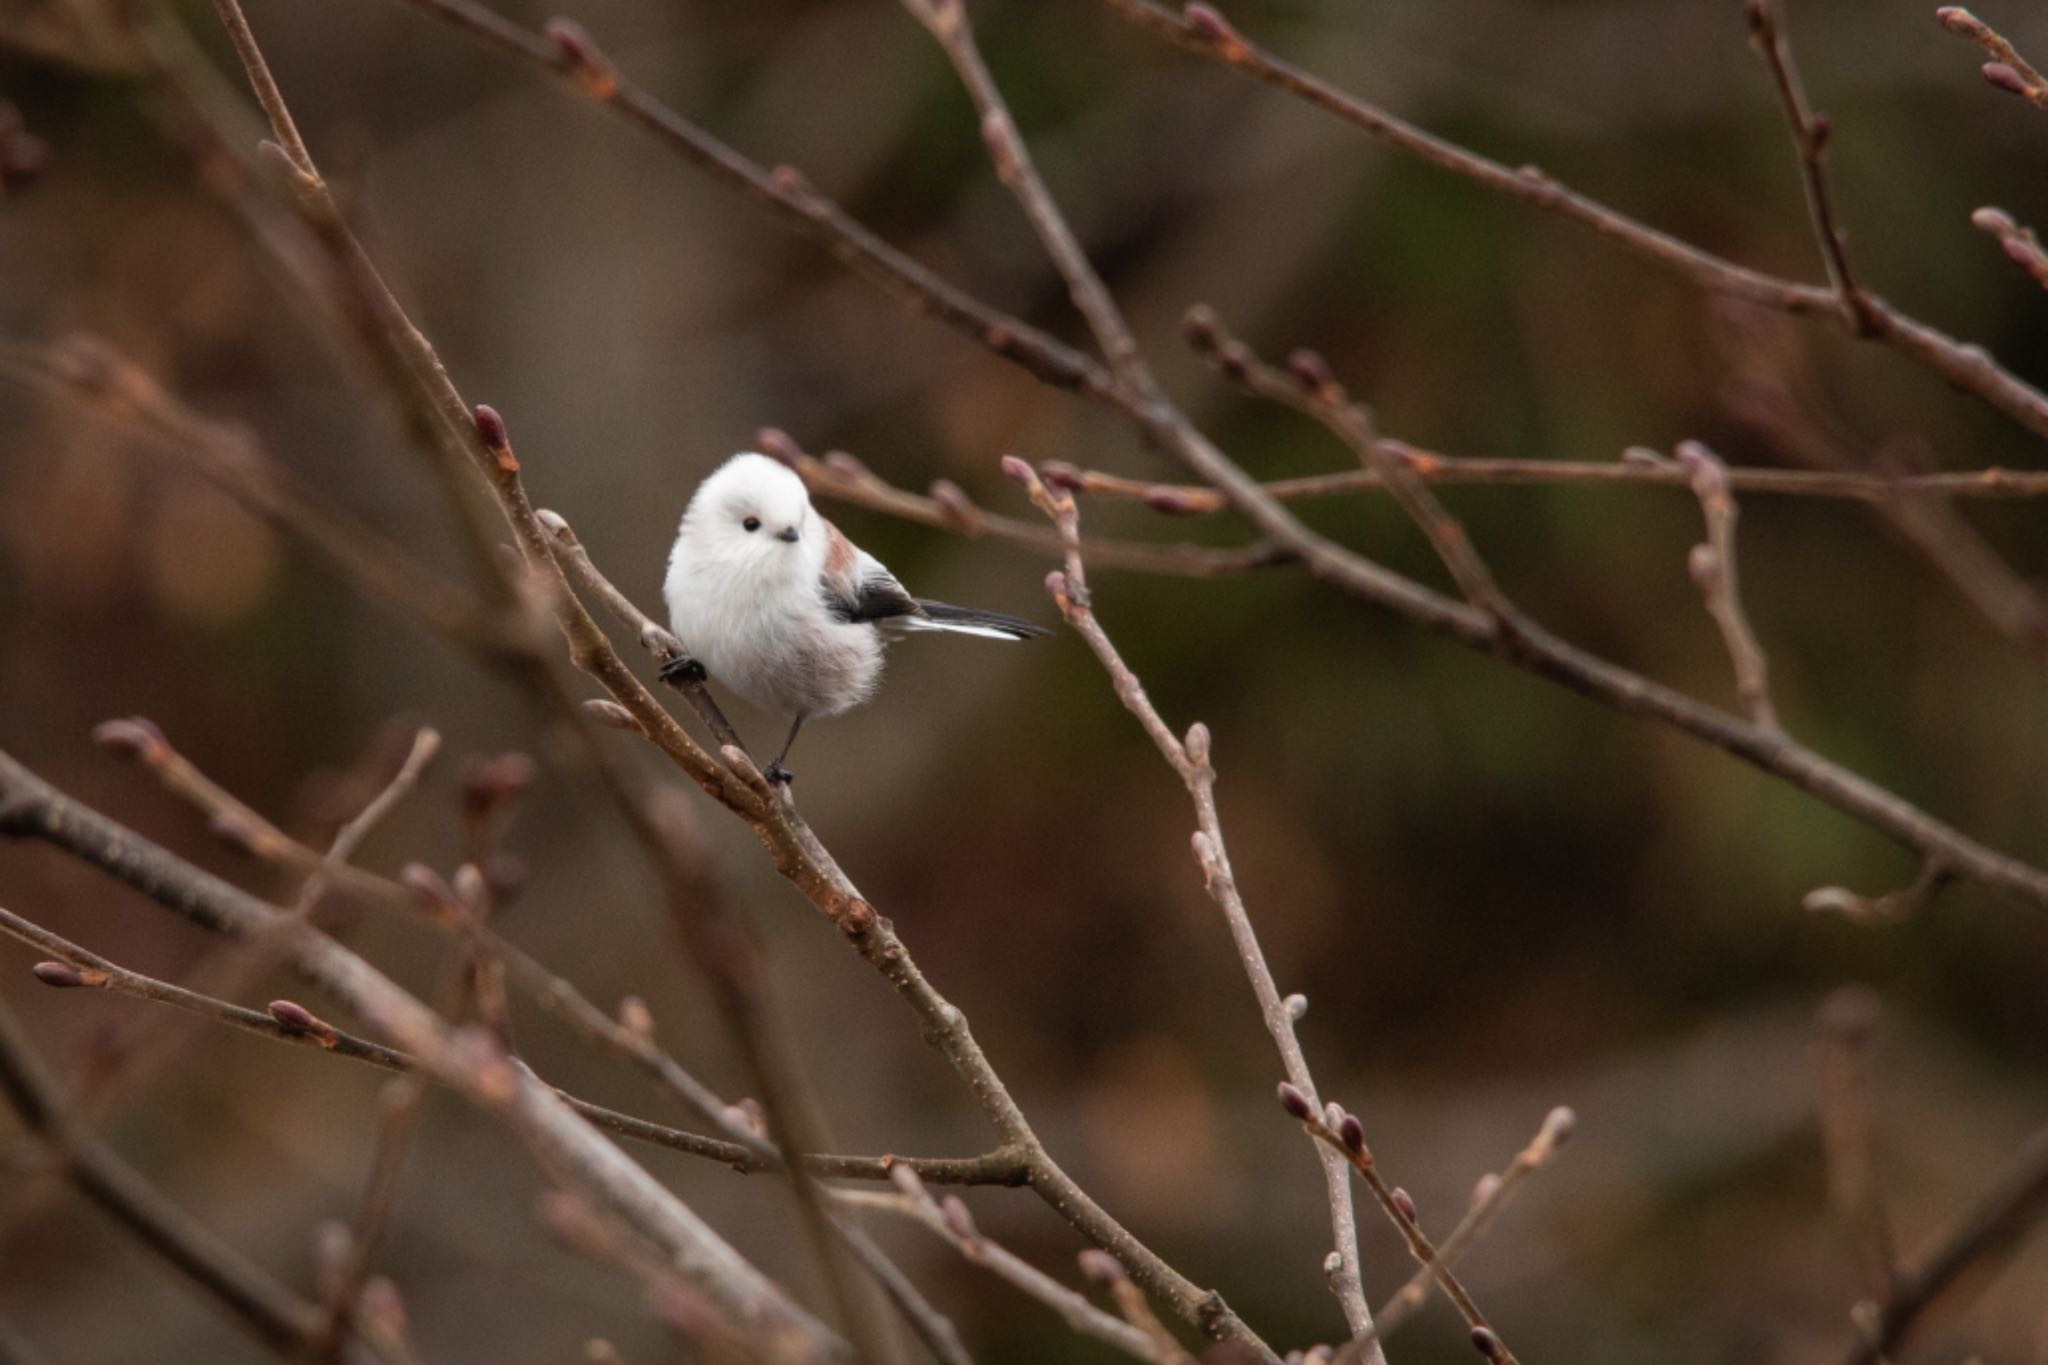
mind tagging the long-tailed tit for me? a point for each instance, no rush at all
(778, 605)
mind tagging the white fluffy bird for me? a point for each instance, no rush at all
(778, 605)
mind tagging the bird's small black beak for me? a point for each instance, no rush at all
(787, 533)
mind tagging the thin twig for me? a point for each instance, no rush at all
(1712, 566)
(1309, 386)
(802, 859)
(1636, 468)
(952, 1223)
(1202, 30)
(1848, 1133)
(90, 374)
(1996, 1223)
(2018, 241)
(91, 970)
(573, 59)
(839, 476)
(1189, 758)
(1810, 133)
(1527, 646)
(932, 1327)
(2007, 69)
(1491, 1195)
(1341, 1132)
(269, 1311)
(468, 1060)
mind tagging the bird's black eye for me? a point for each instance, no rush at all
(752, 523)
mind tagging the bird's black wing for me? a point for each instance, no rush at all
(876, 597)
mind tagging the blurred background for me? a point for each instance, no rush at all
(1497, 897)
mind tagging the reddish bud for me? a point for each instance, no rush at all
(847, 467)
(1485, 1188)
(132, 738)
(954, 502)
(999, 136)
(1172, 501)
(906, 1179)
(1296, 1103)
(382, 1309)
(1207, 22)
(1197, 742)
(1956, 19)
(611, 713)
(1558, 1125)
(1101, 1268)
(581, 55)
(297, 1020)
(1403, 1202)
(776, 444)
(1056, 588)
(62, 975)
(22, 158)
(1235, 360)
(1295, 1006)
(788, 180)
(1351, 1133)
(1019, 471)
(491, 782)
(234, 833)
(490, 427)
(1199, 326)
(2005, 78)
(1310, 370)
(636, 1018)
(1818, 132)
(1063, 476)
(431, 888)
(1704, 565)
(746, 1111)
(1754, 14)
(958, 1220)
(1486, 1343)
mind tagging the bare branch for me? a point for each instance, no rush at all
(1492, 1193)
(1996, 1223)
(1189, 759)
(953, 1224)
(270, 1312)
(2019, 242)
(1810, 132)
(2007, 69)
(1187, 499)
(1202, 30)
(467, 1060)
(1848, 1133)
(1341, 1132)
(1308, 386)
(1712, 566)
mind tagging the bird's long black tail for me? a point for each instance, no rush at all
(972, 621)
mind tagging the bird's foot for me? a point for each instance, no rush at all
(681, 671)
(778, 775)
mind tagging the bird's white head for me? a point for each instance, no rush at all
(755, 514)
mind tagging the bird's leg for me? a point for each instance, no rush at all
(776, 773)
(682, 671)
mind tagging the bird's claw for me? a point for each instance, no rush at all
(778, 775)
(682, 670)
